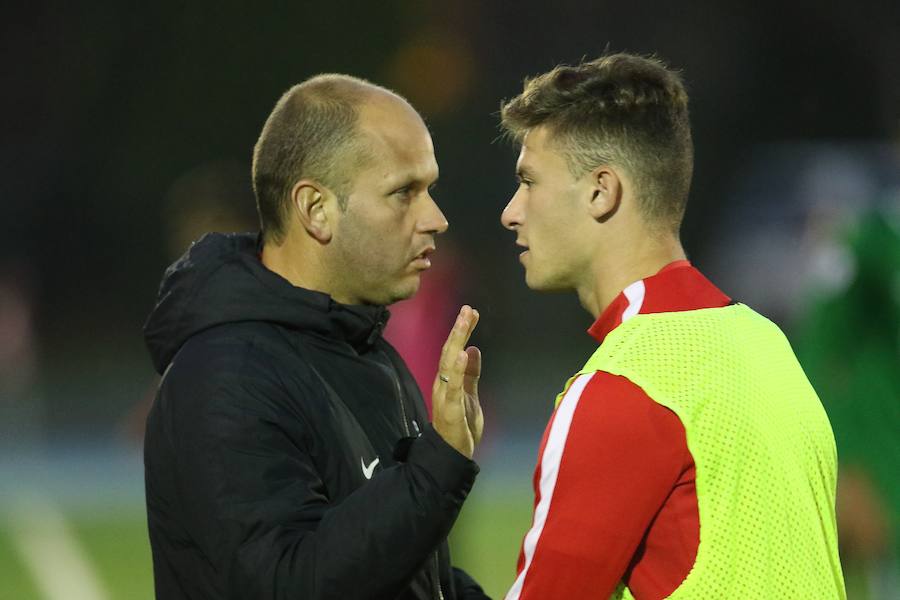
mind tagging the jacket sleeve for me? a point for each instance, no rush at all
(260, 513)
(609, 459)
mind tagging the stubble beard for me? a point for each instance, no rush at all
(550, 281)
(375, 283)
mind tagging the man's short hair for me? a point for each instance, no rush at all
(312, 133)
(620, 109)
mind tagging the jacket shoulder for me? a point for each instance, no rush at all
(246, 366)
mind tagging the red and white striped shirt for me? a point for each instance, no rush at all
(614, 485)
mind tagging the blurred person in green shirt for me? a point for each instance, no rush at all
(849, 345)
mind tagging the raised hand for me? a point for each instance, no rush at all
(457, 415)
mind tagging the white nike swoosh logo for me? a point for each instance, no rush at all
(368, 471)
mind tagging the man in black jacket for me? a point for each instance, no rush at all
(288, 452)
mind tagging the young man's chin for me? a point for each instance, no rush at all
(544, 284)
(537, 285)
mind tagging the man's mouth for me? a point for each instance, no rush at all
(422, 260)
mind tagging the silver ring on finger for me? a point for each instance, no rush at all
(444, 378)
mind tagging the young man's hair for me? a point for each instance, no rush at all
(312, 133)
(621, 110)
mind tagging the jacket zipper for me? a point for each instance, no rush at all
(402, 408)
(436, 574)
(438, 594)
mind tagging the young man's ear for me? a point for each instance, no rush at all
(309, 206)
(606, 190)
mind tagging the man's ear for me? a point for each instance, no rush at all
(308, 205)
(606, 193)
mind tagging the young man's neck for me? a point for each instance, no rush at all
(615, 271)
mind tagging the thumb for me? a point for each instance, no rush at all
(473, 370)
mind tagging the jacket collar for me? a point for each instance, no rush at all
(221, 279)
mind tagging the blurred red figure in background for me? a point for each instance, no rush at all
(416, 327)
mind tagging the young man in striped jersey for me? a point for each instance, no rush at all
(689, 458)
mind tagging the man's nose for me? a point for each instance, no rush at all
(511, 217)
(433, 220)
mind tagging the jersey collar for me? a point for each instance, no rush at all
(676, 287)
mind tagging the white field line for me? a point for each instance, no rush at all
(58, 564)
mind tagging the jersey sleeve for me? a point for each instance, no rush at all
(610, 458)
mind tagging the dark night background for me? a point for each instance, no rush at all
(121, 122)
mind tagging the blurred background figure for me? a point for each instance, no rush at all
(215, 196)
(415, 326)
(849, 342)
(823, 254)
(20, 404)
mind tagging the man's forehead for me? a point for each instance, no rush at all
(420, 171)
(398, 142)
(386, 114)
(522, 161)
(402, 164)
(534, 147)
(400, 136)
(537, 139)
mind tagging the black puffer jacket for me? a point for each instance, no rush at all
(272, 463)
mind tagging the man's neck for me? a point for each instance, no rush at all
(615, 271)
(301, 267)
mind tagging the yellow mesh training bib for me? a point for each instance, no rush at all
(761, 442)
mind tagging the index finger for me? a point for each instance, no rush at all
(458, 337)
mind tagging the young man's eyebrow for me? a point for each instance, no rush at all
(524, 173)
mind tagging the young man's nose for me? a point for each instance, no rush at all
(511, 217)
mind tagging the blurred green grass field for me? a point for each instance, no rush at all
(114, 545)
